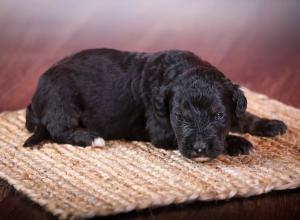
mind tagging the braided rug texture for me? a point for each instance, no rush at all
(75, 182)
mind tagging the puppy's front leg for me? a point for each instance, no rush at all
(258, 126)
(161, 133)
(236, 145)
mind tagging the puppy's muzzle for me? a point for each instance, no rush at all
(209, 150)
(199, 149)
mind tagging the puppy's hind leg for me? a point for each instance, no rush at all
(68, 131)
(63, 125)
(79, 137)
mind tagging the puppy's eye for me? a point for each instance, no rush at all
(219, 116)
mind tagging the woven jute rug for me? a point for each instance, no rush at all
(74, 182)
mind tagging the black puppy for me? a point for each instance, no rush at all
(173, 99)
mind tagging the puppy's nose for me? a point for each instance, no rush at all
(200, 147)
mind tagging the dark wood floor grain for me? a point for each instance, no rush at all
(255, 43)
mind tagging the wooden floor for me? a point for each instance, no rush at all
(255, 43)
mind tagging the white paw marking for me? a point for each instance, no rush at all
(98, 142)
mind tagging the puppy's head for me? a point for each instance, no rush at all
(202, 113)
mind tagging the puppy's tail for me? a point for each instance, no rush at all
(40, 132)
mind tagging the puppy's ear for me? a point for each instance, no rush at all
(161, 102)
(239, 101)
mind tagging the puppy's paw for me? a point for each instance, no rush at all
(269, 128)
(237, 145)
(98, 142)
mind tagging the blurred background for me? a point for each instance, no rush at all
(255, 43)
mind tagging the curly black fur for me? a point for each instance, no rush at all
(171, 98)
